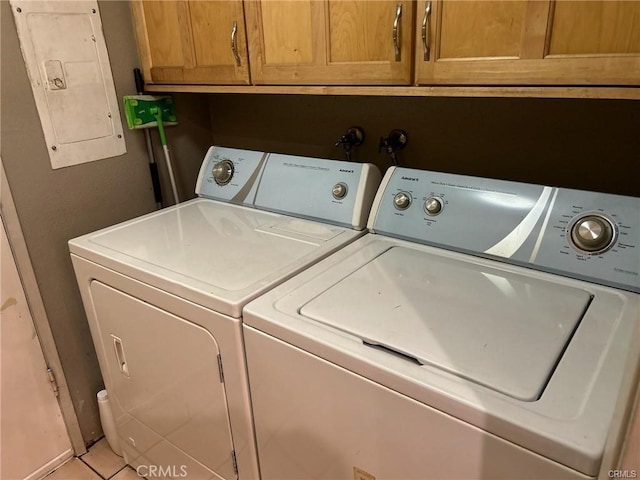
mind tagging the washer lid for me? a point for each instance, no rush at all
(500, 329)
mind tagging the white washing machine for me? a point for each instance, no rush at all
(482, 329)
(164, 293)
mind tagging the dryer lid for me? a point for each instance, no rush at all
(222, 249)
(500, 329)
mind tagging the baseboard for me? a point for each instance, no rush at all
(50, 466)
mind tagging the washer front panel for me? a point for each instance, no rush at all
(502, 330)
(576, 420)
(316, 420)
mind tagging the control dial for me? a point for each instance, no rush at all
(402, 200)
(433, 206)
(592, 234)
(339, 190)
(222, 172)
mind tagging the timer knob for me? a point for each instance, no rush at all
(222, 172)
(433, 205)
(402, 200)
(592, 234)
(339, 190)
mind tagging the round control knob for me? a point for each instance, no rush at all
(592, 234)
(402, 200)
(222, 172)
(339, 190)
(433, 205)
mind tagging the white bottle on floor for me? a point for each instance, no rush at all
(108, 424)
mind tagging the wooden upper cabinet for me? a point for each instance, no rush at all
(528, 42)
(319, 42)
(192, 42)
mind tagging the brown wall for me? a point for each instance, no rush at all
(587, 144)
(57, 205)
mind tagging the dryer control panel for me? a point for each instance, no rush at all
(230, 174)
(333, 191)
(586, 235)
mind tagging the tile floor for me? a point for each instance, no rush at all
(99, 463)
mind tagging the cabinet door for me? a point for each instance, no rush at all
(192, 42)
(590, 27)
(330, 42)
(528, 42)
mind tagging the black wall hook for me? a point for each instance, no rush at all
(353, 137)
(396, 141)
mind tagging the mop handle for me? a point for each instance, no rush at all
(153, 166)
(167, 157)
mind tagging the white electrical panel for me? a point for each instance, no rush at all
(68, 66)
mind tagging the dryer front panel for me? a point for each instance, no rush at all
(166, 387)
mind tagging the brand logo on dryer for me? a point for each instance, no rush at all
(344, 170)
(411, 179)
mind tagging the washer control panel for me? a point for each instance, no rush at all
(586, 235)
(593, 236)
(456, 211)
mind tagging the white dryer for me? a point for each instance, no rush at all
(482, 329)
(164, 293)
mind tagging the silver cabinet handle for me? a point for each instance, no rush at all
(425, 31)
(396, 26)
(234, 45)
